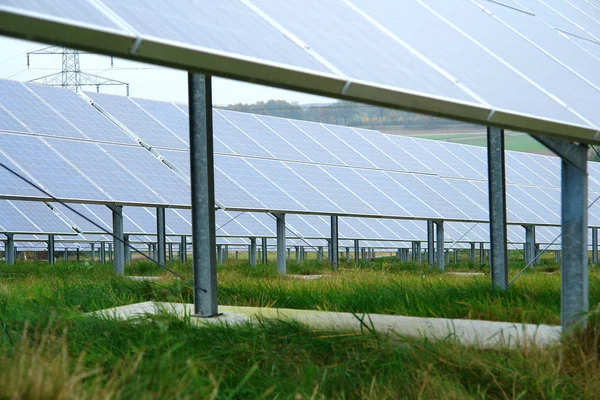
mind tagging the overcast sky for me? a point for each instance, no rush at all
(146, 81)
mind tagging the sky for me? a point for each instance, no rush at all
(145, 80)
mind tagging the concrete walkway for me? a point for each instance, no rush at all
(468, 332)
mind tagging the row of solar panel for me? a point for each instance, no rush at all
(510, 59)
(122, 173)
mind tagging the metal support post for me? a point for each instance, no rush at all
(118, 240)
(538, 254)
(127, 249)
(183, 249)
(334, 242)
(497, 202)
(574, 218)
(161, 242)
(419, 254)
(102, 252)
(252, 253)
(281, 261)
(356, 250)
(320, 253)
(440, 244)
(347, 254)
(77, 254)
(289, 253)
(472, 253)
(594, 246)
(430, 244)
(481, 253)
(110, 252)
(92, 251)
(51, 249)
(219, 254)
(203, 195)
(455, 256)
(297, 252)
(9, 249)
(264, 250)
(170, 252)
(66, 254)
(557, 255)
(529, 243)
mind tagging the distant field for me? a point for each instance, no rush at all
(470, 135)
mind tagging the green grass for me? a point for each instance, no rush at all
(50, 350)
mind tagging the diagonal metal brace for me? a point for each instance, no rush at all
(567, 151)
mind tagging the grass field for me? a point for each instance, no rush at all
(49, 349)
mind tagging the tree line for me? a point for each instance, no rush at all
(344, 113)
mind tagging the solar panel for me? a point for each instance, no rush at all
(81, 114)
(8, 123)
(32, 112)
(137, 120)
(83, 224)
(169, 115)
(157, 176)
(13, 221)
(104, 171)
(374, 53)
(268, 139)
(12, 185)
(49, 169)
(44, 219)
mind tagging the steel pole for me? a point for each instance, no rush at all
(161, 242)
(441, 256)
(51, 249)
(281, 259)
(334, 242)
(497, 204)
(203, 195)
(118, 240)
(430, 244)
(575, 300)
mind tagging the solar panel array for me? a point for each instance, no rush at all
(524, 64)
(262, 164)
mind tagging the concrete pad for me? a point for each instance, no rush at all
(466, 273)
(143, 278)
(468, 332)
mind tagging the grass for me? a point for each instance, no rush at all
(50, 350)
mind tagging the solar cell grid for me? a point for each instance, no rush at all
(49, 169)
(32, 112)
(157, 176)
(41, 216)
(81, 114)
(137, 120)
(224, 27)
(169, 115)
(14, 221)
(268, 139)
(114, 180)
(295, 136)
(282, 175)
(8, 123)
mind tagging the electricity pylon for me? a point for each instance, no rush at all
(71, 75)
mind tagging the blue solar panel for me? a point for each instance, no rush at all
(281, 175)
(233, 140)
(81, 114)
(179, 221)
(327, 139)
(271, 196)
(365, 148)
(137, 120)
(268, 138)
(31, 111)
(224, 26)
(347, 199)
(312, 149)
(8, 123)
(524, 207)
(451, 165)
(12, 185)
(168, 115)
(46, 220)
(232, 194)
(114, 180)
(49, 169)
(80, 222)
(156, 175)
(13, 221)
(81, 11)
(395, 151)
